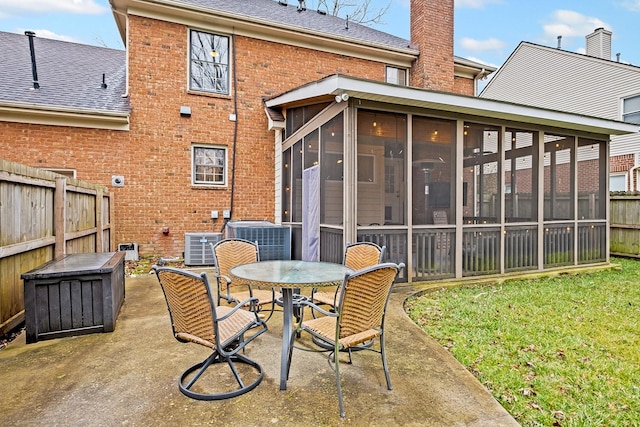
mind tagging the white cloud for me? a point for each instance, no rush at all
(632, 5)
(47, 34)
(475, 4)
(480, 61)
(474, 45)
(81, 7)
(567, 23)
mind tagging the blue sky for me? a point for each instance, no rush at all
(485, 30)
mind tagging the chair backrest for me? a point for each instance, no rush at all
(190, 302)
(231, 252)
(364, 298)
(362, 254)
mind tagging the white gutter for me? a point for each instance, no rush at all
(54, 115)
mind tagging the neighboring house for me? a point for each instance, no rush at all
(225, 103)
(590, 84)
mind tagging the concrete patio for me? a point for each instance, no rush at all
(129, 378)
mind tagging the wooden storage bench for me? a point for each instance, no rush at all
(73, 295)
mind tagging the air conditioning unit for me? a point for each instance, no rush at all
(196, 248)
(274, 241)
(131, 251)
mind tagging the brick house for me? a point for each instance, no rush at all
(208, 108)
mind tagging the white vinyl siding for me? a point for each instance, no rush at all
(565, 81)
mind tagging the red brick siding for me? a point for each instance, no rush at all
(463, 86)
(621, 163)
(89, 151)
(155, 155)
(158, 191)
(431, 26)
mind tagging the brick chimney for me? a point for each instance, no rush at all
(432, 34)
(599, 43)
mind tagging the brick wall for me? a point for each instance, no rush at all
(155, 155)
(431, 29)
(158, 192)
(89, 151)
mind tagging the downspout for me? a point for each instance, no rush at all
(481, 75)
(632, 172)
(235, 133)
(126, 18)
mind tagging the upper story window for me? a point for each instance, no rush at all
(631, 109)
(396, 76)
(209, 165)
(209, 65)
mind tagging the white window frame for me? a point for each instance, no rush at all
(194, 166)
(394, 79)
(618, 175)
(635, 112)
(221, 65)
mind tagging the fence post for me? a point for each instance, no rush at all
(59, 217)
(99, 222)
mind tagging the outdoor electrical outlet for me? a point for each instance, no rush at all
(226, 214)
(214, 214)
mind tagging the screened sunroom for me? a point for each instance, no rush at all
(452, 186)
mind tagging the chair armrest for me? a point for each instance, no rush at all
(315, 307)
(248, 301)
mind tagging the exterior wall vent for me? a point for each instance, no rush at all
(130, 250)
(196, 248)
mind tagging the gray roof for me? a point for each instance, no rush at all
(289, 16)
(70, 75)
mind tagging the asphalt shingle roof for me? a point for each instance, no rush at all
(70, 74)
(289, 16)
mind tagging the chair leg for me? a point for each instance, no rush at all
(385, 366)
(273, 308)
(336, 354)
(215, 358)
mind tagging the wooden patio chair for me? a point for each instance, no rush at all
(356, 256)
(196, 319)
(232, 252)
(359, 317)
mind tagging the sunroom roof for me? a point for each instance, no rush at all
(448, 102)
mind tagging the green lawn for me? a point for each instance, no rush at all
(561, 351)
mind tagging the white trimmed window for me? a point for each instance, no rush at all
(209, 165)
(631, 109)
(396, 76)
(209, 62)
(618, 182)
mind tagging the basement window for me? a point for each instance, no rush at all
(69, 173)
(209, 165)
(209, 64)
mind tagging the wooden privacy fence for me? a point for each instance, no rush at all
(44, 215)
(624, 218)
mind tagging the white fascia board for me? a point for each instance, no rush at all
(62, 116)
(441, 101)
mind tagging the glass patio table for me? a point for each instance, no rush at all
(288, 275)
